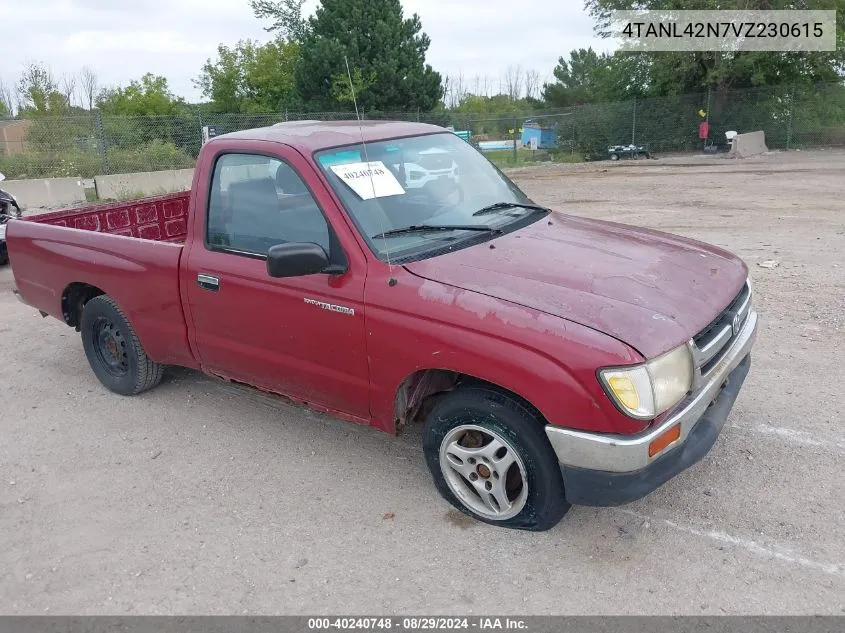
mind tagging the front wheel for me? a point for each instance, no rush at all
(490, 458)
(114, 351)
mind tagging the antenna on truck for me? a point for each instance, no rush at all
(392, 281)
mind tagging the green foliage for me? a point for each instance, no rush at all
(125, 195)
(657, 95)
(577, 80)
(143, 112)
(345, 91)
(490, 117)
(817, 117)
(666, 73)
(380, 44)
(61, 133)
(49, 164)
(587, 77)
(252, 77)
(150, 96)
(77, 162)
(38, 93)
(285, 14)
(527, 158)
(153, 156)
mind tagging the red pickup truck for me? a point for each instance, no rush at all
(388, 273)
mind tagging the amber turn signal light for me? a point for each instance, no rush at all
(664, 439)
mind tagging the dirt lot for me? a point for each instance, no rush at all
(198, 497)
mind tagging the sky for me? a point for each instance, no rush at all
(123, 39)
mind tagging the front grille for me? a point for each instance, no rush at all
(710, 345)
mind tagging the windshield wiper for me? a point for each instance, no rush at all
(425, 228)
(498, 206)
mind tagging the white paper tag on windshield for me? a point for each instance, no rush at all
(369, 180)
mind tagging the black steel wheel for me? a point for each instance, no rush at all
(114, 351)
(110, 347)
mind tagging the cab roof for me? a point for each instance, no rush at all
(311, 136)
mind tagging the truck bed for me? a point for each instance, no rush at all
(58, 257)
(160, 218)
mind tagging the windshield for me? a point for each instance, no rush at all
(425, 184)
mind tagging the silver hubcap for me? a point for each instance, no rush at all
(484, 471)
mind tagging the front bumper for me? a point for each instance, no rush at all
(604, 469)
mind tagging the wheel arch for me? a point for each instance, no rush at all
(74, 297)
(418, 392)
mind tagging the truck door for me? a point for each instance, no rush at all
(299, 336)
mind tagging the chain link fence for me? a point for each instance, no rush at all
(791, 117)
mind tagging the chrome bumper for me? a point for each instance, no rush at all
(629, 453)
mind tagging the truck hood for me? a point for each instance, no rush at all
(649, 289)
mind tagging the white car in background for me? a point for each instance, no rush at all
(428, 166)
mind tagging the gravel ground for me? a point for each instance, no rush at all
(199, 497)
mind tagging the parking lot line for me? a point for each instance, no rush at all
(776, 552)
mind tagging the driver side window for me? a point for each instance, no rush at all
(257, 202)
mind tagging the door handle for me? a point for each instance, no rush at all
(207, 282)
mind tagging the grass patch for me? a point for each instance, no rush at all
(526, 158)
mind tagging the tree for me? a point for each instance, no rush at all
(286, 15)
(68, 87)
(454, 90)
(38, 92)
(252, 77)
(149, 96)
(346, 87)
(532, 84)
(491, 115)
(668, 73)
(145, 114)
(576, 80)
(88, 84)
(6, 100)
(379, 43)
(513, 82)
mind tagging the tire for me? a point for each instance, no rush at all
(463, 427)
(114, 351)
(614, 157)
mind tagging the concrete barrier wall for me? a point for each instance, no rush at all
(750, 144)
(54, 193)
(149, 183)
(46, 192)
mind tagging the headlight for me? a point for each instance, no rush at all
(645, 391)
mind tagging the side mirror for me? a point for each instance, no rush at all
(296, 259)
(2, 177)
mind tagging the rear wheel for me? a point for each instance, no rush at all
(614, 157)
(490, 458)
(114, 351)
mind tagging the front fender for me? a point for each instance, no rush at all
(417, 324)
